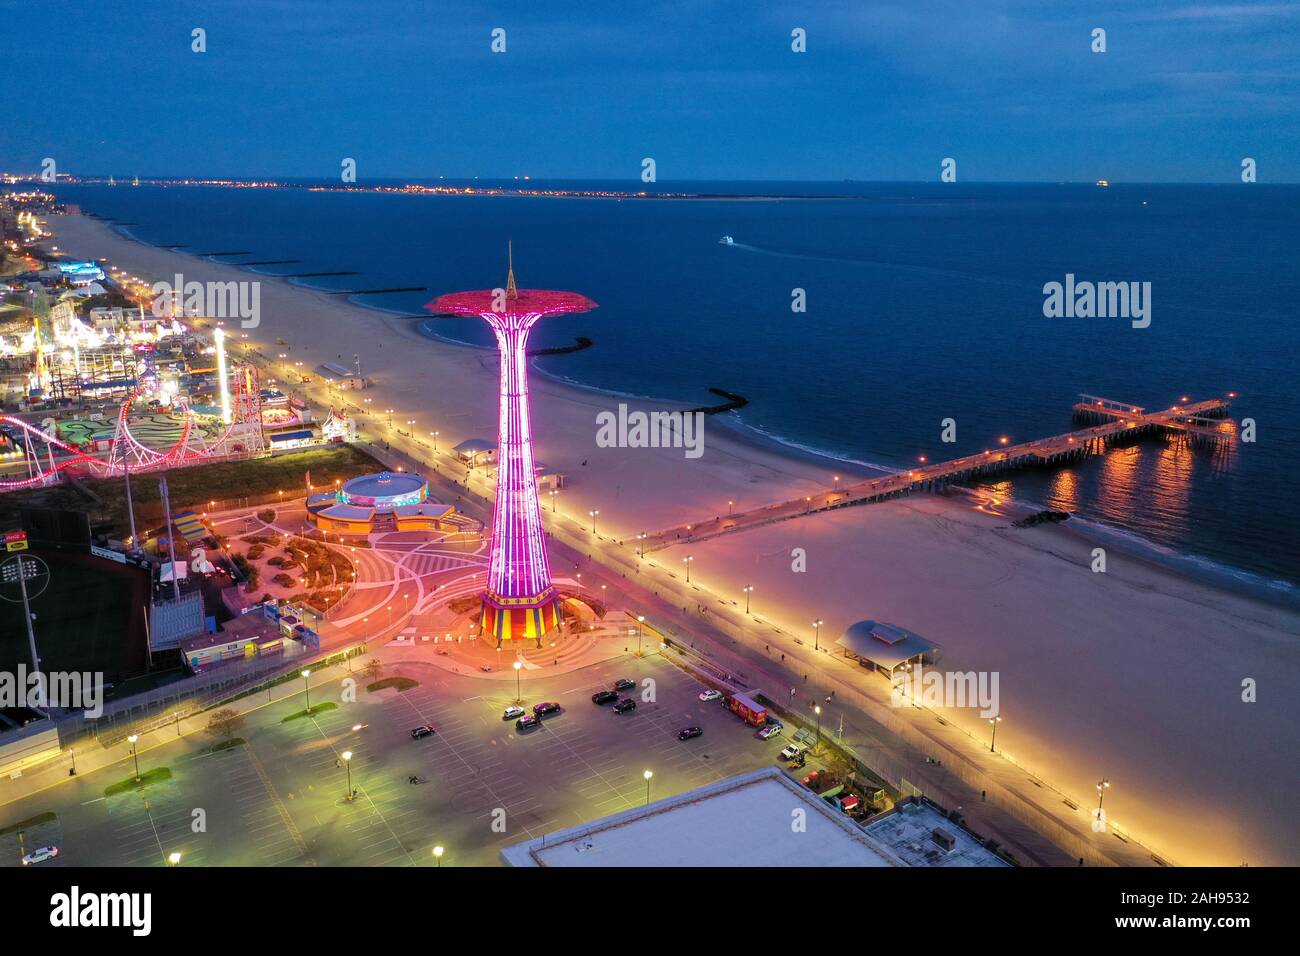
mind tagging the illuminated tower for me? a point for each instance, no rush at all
(519, 601)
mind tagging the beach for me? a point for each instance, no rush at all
(1134, 674)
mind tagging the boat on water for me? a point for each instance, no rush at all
(1103, 182)
(726, 241)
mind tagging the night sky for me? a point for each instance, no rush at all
(411, 89)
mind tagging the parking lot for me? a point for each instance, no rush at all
(281, 799)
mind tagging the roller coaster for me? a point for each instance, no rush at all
(48, 457)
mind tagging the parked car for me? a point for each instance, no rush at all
(710, 694)
(624, 705)
(603, 697)
(41, 855)
(689, 733)
(771, 730)
(528, 722)
(624, 684)
(424, 730)
(546, 708)
(513, 711)
(793, 752)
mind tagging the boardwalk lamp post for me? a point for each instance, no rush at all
(640, 624)
(748, 590)
(173, 858)
(347, 762)
(593, 520)
(993, 744)
(687, 561)
(1102, 786)
(133, 740)
(648, 774)
(817, 633)
(437, 855)
(817, 709)
(519, 693)
(306, 687)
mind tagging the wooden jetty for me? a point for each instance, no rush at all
(1109, 423)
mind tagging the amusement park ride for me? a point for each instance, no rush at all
(239, 433)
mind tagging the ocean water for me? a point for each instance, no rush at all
(924, 302)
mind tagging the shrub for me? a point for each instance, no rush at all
(266, 516)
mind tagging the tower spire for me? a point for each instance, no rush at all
(512, 292)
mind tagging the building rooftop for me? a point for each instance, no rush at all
(886, 645)
(746, 820)
(909, 831)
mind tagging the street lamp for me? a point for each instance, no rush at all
(133, 739)
(648, 774)
(748, 589)
(593, 519)
(519, 694)
(174, 858)
(1102, 786)
(347, 762)
(817, 634)
(554, 492)
(993, 744)
(640, 551)
(687, 561)
(817, 709)
(437, 854)
(306, 687)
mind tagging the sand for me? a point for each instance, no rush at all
(1134, 675)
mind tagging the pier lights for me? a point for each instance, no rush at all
(640, 623)
(519, 693)
(993, 722)
(306, 687)
(1102, 786)
(133, 740)
(648, 774)
(437, 854)
(687, 561)
(748, 589)
(346, 757)
(817, 630)
(593, 520)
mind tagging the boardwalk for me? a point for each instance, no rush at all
(1118, 423)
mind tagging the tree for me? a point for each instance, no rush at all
(224, 723)
(374, 667)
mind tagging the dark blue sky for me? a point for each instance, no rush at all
(710, 90)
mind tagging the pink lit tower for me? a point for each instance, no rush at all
(519, 601)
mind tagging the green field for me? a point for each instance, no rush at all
(192, 488)
(90, 617)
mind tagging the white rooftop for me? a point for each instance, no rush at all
(747, 820)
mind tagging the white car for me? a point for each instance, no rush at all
(710, 694)
(771, 730)
(41, 855)
(513, 711)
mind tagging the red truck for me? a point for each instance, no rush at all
(748, 710)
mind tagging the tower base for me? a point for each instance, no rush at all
(517, 619)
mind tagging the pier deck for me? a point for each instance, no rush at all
(1116, 423)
